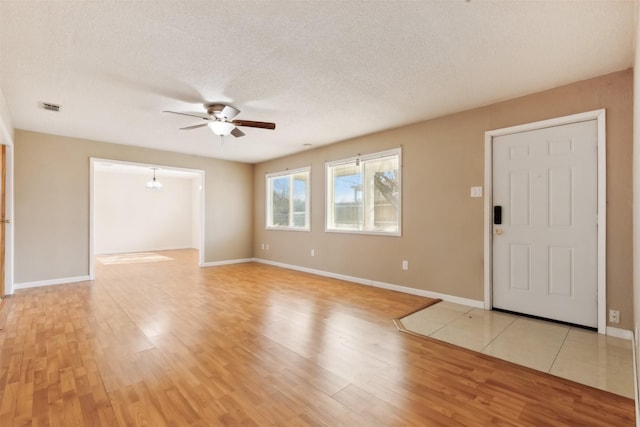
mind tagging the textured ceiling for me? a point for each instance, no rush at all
(324, 71)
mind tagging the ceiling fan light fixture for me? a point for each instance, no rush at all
(221, 128)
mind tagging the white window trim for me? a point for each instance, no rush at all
(269, 176)
(364, 157)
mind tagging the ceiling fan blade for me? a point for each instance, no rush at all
(194, 114)
(194, 126)
(252, 124)
(237, 132)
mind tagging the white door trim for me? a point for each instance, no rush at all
(599, 116)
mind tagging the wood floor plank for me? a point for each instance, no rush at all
(167, 343)
(4, 310)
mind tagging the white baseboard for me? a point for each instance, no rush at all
(51, 282)
(383, 285)
(227, 262)
(619, 333)
(314, 271)
(429, 294)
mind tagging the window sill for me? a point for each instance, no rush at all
(288, 229)
(369, 232)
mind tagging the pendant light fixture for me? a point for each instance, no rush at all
(154, 185)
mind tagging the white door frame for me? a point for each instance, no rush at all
(8, 231)
(599, 116)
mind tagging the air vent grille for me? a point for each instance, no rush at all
(50, 107)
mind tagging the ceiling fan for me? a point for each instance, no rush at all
(219, 118)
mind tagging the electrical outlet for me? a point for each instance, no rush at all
(614, 316)
(405, 264)
(313, 252)
(262, 246)
(266, 246)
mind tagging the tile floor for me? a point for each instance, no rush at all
(573, 353)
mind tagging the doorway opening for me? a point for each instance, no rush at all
(129, 215)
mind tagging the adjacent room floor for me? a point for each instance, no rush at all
(574, 353)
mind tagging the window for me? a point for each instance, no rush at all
(363, 194)
(288, 195)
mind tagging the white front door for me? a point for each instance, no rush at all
(545, 251)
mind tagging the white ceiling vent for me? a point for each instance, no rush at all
(50, 107)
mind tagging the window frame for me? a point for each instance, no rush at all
(329, 194)
(268, 199)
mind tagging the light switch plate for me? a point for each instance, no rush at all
(476, 191)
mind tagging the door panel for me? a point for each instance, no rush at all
(561, 197)
(520, 198)
(545, 250)
(520, 267)
(561, 271)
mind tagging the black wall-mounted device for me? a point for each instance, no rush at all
(497, 215)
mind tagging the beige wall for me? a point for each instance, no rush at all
(52, 203)
(442, 226)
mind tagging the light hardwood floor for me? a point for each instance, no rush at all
(166, 343)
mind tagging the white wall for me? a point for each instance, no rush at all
(129, 218)
(196, 234)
